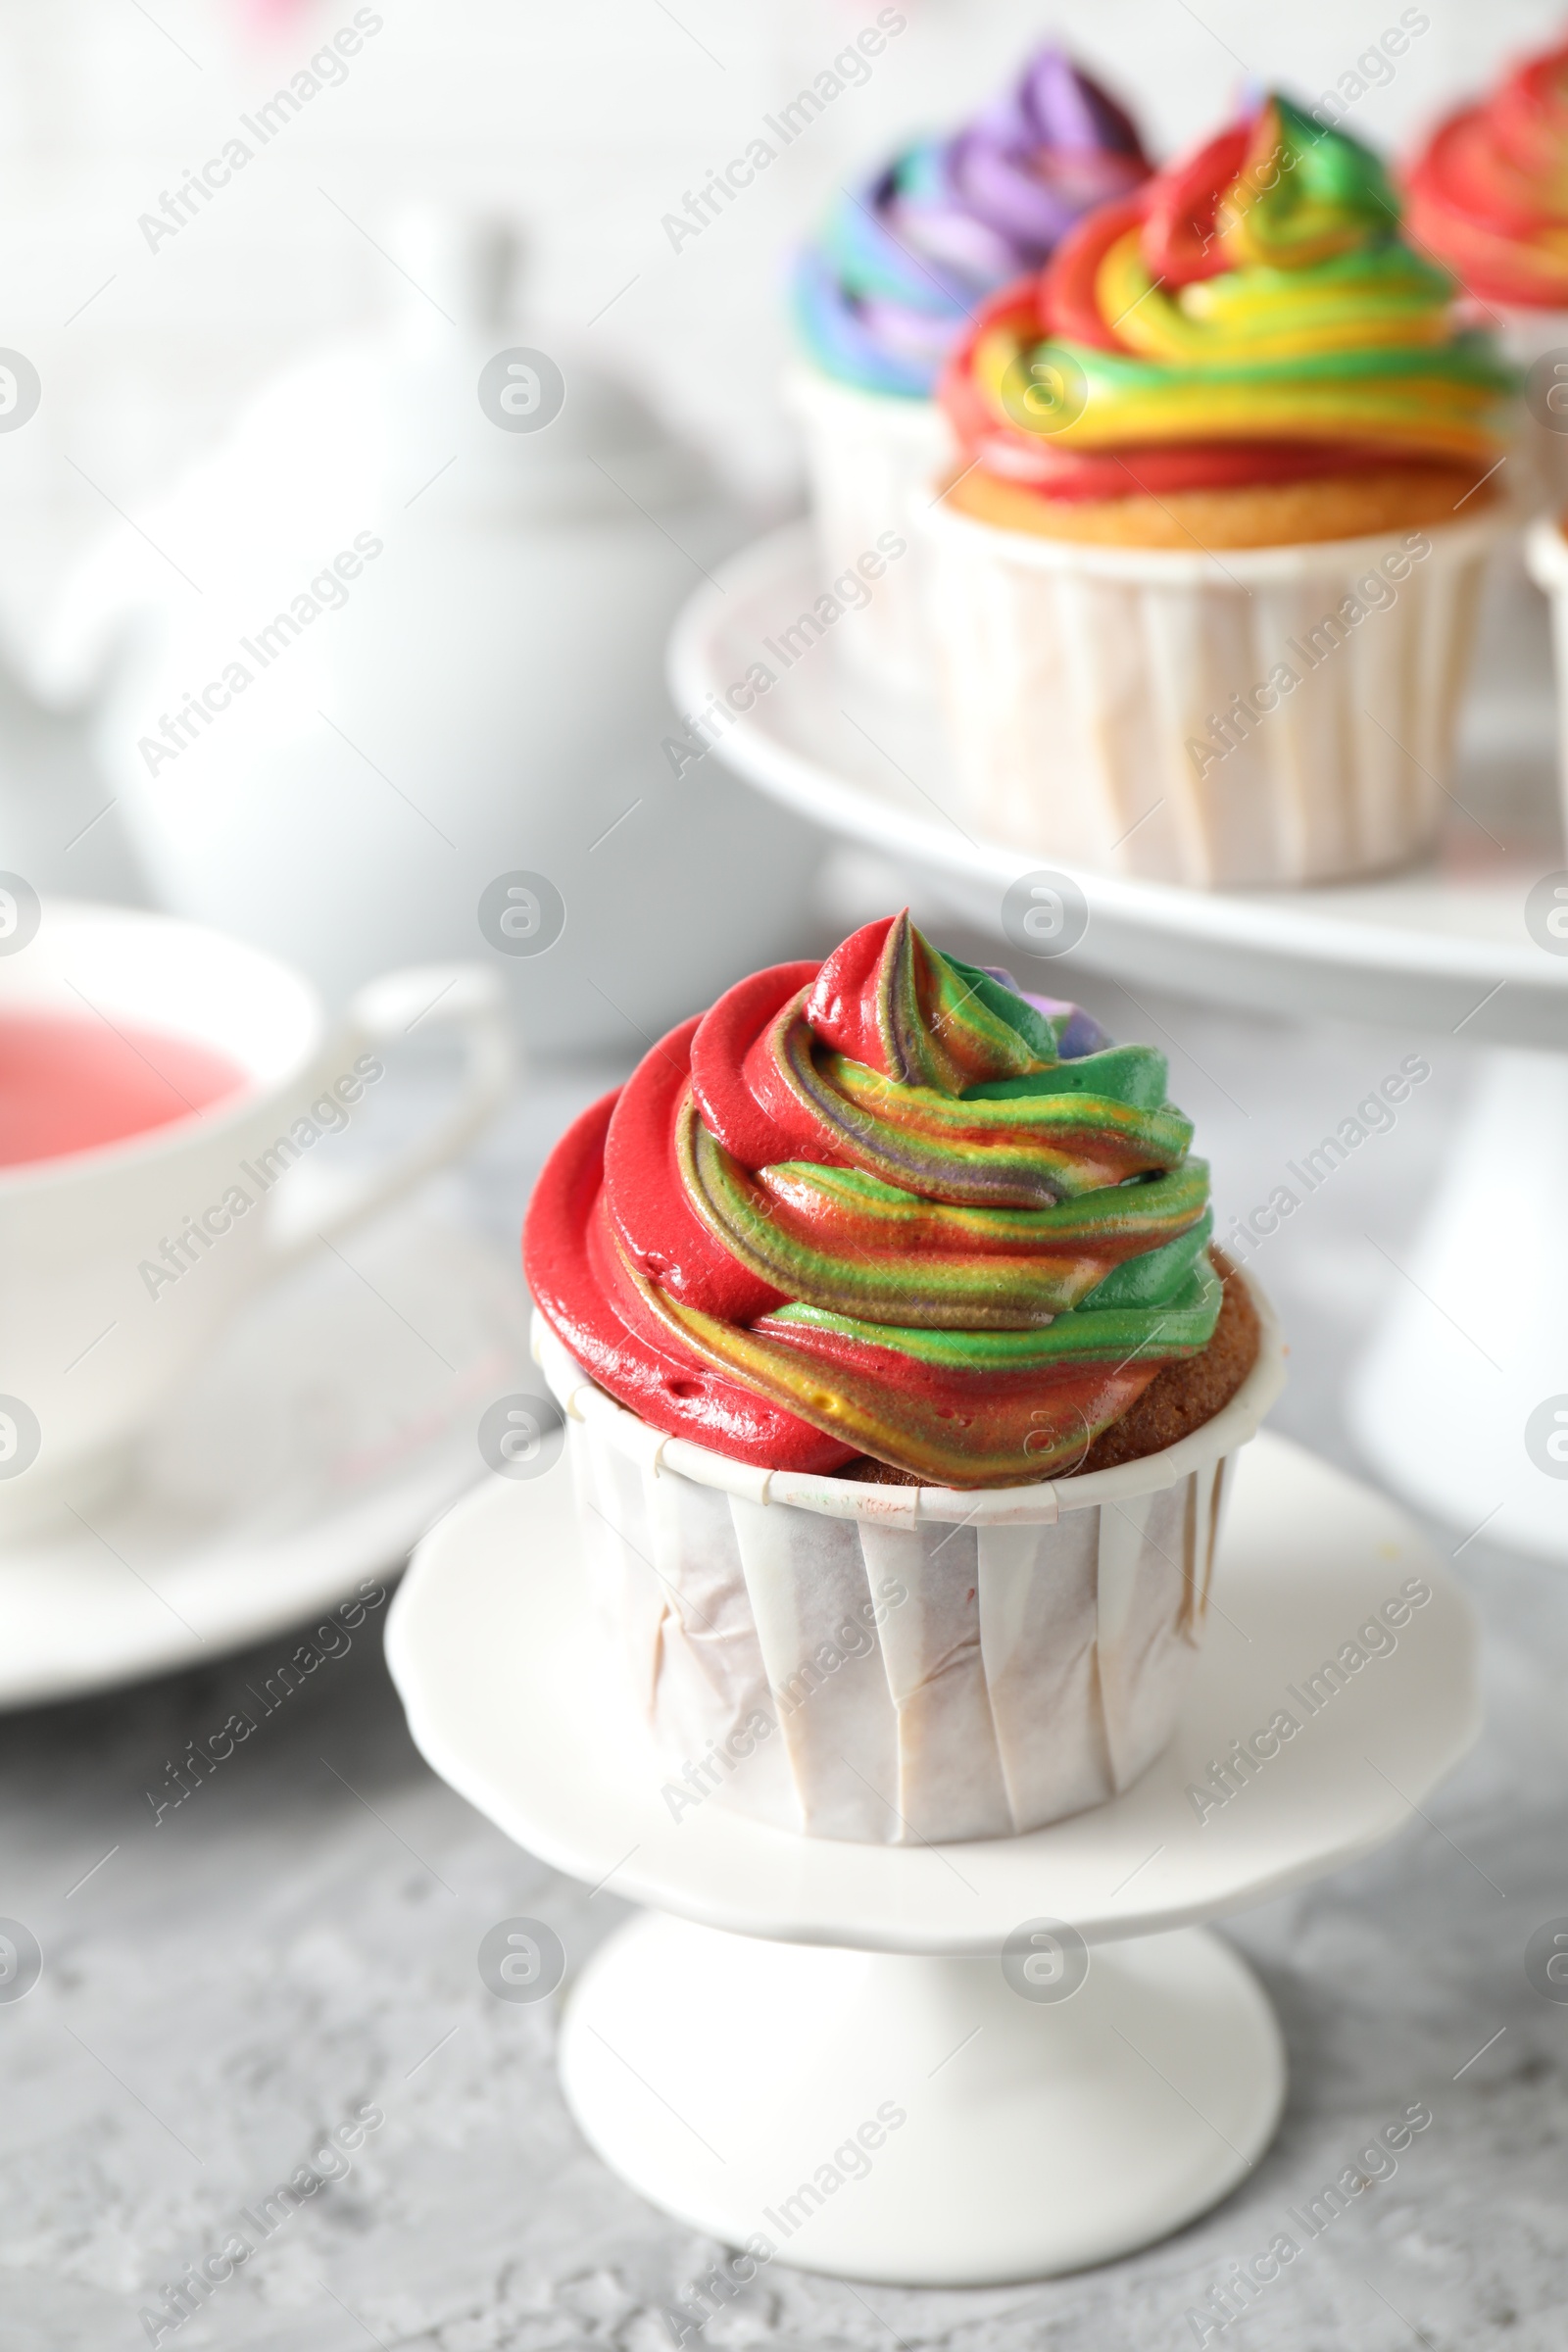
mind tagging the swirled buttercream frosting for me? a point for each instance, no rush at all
(1252, 315)
(1489, 193)
(901, 262)
(884, 1205)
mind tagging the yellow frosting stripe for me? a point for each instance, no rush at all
(1399, 411)
(1359, 302)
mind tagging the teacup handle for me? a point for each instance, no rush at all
(462, 996)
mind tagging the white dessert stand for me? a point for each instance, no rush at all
(720, 2058)
(1442, 1401)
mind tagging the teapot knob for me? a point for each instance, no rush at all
(458, 266)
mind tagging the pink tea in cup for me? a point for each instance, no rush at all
(70, 1082)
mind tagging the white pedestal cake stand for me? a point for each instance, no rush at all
(1445, 1399)
(822, 2047)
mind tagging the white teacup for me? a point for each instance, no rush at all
(118, 1264)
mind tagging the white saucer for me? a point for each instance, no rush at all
(332, 1423)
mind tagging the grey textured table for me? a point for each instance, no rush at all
(300, 1939)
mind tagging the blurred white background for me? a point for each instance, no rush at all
(585, 124)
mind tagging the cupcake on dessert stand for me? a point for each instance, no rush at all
(1487, 196)
(901, 1386)
(882, 1306)
(888, 286)
(1205, 572)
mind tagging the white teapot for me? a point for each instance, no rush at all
(386, 677)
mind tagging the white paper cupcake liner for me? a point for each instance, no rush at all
(896, 1664)
(1090, 696)
(1547, 561)
(869, 457)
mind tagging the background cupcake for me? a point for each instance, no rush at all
(844, 1272)
(1489, 195)
(1207, 566)
(893, 282)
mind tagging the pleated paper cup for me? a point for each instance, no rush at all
(897, 1664)
(869, 455)
(1547, 561)
(1278, 715)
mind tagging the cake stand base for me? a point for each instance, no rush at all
(891, 2117)
(1455, 1400)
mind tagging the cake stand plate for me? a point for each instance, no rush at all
(1452, 1399)
(1423, 947)
(825, 2048)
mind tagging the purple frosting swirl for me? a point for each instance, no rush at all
(901, 266)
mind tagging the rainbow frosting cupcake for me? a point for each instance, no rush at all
(893, 282)
(1487, 196)
(885, 1278)
(1235, 422)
